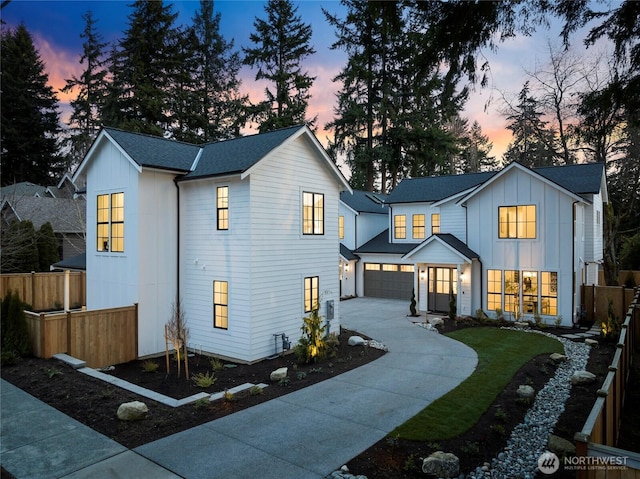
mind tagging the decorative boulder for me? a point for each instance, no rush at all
(356, 341)
(435, 321)
(557, 358)
(132, 411)
(560, 446)
(582, 377)
(521, 324)
(590, 342)
(279, 374)
(441, 464)
(525, 391)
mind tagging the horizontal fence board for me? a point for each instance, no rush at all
(45, 291)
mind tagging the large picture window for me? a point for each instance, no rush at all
(399, 226)
(312, 213)
(311, 295)
(517, 222)
(221, 304)
(110, 222)
(222, 206)
(418, 226)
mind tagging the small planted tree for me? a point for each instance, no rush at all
(412, 306)
(313, 343)
(453, 309)
(176, 333)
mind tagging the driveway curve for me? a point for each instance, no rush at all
(313, 431)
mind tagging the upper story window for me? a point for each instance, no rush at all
(399, 226)
(110, 222)
(418, 227)
(222, 206)
(312, 213)
(435, 223)
(341, 227)
(517, 221)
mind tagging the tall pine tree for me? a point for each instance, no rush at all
(91, 87)
(282, 42)
(29, 115)
(141, 70)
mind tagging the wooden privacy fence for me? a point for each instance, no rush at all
(45, 291)
(595, 300)
(100, 337)
(600, 432)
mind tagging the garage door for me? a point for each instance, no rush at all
(383, 280)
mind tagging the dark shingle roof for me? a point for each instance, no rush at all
(155, 152)
(66, 215)
(435, 188)
(24, 188)
(458, 245)
(581, 179)
(365, 201)
(380, 244)
(347, 254)
(239, 154)
(78, 262)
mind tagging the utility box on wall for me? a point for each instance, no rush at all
(330, 309)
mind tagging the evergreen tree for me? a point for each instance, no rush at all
(15, 332)
(140, 68)
(29, 116)
(47, 244)
(282, 43)
(476, 154)
(220, 106)
(91, 87)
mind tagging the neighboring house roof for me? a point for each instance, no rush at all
(24, 188)
(75, 263)
(347, 254)
(365, 201)
(435, 188)
(380, 244)
(579, 179)
(66, 215)
(239, 154)
(451, 242)
(153, 151)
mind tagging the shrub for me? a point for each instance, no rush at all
(216, 364)
(150, 366)
(312, 345)
(610, 327)
(14, 330)
(255, 391)
(204, 380)
(229, 396)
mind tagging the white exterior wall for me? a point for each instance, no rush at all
(158, 244)
(112, 278)
(281, 256)
(408, 210)
(453, 219)
(368, 226)
(350, 218)
(208, 254)
(547, 252)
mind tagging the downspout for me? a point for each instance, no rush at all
(175, 182)
(574, 226)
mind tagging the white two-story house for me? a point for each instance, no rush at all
(239, 231)
(519, 240)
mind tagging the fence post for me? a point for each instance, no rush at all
(136, 328)
(69, 349)
(43, 331)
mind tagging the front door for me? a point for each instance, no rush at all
(442, 282)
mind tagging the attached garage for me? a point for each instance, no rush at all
(388, 280)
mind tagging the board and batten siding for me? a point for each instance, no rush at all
(158, 244)
(350, 221)
(112, 278)
(208, 255)
(547, 252)
(281, 256)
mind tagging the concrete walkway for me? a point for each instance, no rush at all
(305, 434)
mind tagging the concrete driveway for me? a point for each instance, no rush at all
(311, 432)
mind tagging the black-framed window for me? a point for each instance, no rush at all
(221, 304)
(311, 293)
(222, 207)
(312, 213)
(110, 222)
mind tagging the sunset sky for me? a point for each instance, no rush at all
(56, 27)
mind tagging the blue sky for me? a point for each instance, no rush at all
(56, 27)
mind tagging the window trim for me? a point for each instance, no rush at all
(222, 208)
(221, 303)
(435, 223)
(313, 225)
(311, 293)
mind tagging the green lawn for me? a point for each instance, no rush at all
(501, 353)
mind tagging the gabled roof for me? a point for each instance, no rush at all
(449, 241)
(153, 151)
(239, 154)
(581, 179)
(66, 215)
(380, 244)
(347, 254)
(365, 201)
(435, 188)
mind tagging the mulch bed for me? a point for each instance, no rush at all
(94, 402)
